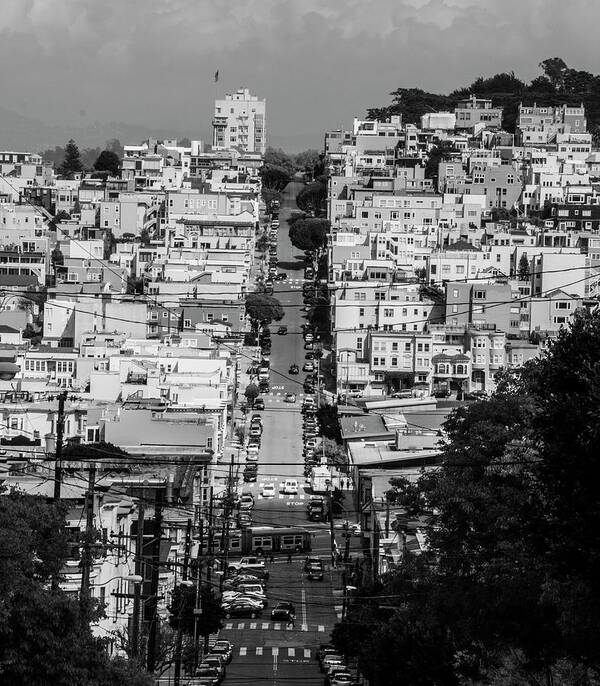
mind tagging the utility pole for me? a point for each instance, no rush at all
(60, 426)
(153, 599)
(198, 605)
(139, 569)
(331, 533)
(234, 398)
(86, 557)
(210, 551)
(228, 511)
(179, 639)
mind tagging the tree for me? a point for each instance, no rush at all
(500, 214)
(334, 453)
(184, 142)
(72, 160)
(45, 634)
(312, 197)
(183, 604)
(274, 178)
(329, 426)
(513, 536)
(57, 259)
(523, 273)
(252, 392)
(441, 152)
(309, 234)
(108, 161)
(310, 162)
(275, 157)
(145, 236)
(114, 145)
(263, 309)
(58, 217)
(554, 69)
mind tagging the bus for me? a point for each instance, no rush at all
(263, 540)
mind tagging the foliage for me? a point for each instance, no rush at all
(262, 242)
(252, 392)
(559, 84)
(511, 584)
(523, 273)
(108, 161)
(57, 258)
(261, 307)
(319, 316)
(440, 152)
(274, 178)
(276, 157)
(58, 217)
(329, 426)
(309, 234)
(312, 197)
(333, 451)
(310, 162)
(145, 237)
(181, 610)
(184, 142)
(44, 633)
(72, 160)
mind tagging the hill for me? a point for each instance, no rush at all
(557, 84)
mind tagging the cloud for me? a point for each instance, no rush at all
(318, 62)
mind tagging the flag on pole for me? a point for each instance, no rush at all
(216, 76)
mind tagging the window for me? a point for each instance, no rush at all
(394, 361)
(479, 295)
(361, 311)
(388, 312)
(187, 323)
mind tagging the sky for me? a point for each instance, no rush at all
(318, 63)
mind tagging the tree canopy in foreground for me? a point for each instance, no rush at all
(509, 592)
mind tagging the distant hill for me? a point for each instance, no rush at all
(297, 142)
(558, 84)
(19, 132)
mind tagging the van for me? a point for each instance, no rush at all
(290, 487)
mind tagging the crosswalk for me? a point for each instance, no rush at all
(275, 651)
(273, 626)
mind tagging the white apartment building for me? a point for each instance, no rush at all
(240, 122)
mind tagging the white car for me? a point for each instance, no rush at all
(268, 491)
(252, 457)
(290, 487)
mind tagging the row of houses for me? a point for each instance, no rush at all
(122, 320)
(440, 278)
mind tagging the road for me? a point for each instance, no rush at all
(265, 651)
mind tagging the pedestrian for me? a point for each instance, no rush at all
(290, 622)
(289, 558)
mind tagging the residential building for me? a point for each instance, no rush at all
(240, 122)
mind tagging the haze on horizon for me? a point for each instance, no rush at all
(317, 62)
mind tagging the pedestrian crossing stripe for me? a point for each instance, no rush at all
(266, 626)
(292, 651)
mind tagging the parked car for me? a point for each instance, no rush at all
(250, 473)
(246, 501)
(242, 608)
(207, 676)
(268, 491)
(294, 369)
(282, 276)
(283, 611)
(215, 662)
(224, 649)
(290, 398)
(259, 404)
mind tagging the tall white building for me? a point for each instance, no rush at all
(240, 122)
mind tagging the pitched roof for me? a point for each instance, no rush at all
(462, 245)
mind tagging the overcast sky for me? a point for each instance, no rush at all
(318, 62)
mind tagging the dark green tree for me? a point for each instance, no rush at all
(329, 426)
(276, 157)
(183, 604)
(442, 151)
(57, 259)
(274, 178)
(45, 637)
(312, 197)
(58, 217)
(72, 160)
(108, 161)
(252, 392)
(523, 273)
(309, 234)
(263, 309)
(554, 69)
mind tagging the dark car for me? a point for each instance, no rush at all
(259, 404)
(282, 276)
(282, 330)
(224, 649)
(264, 387)
(475, 395)
(283, 611)
(315, 572)
(250, 475)
(294, 369)
(241, 608)
(207, 675)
